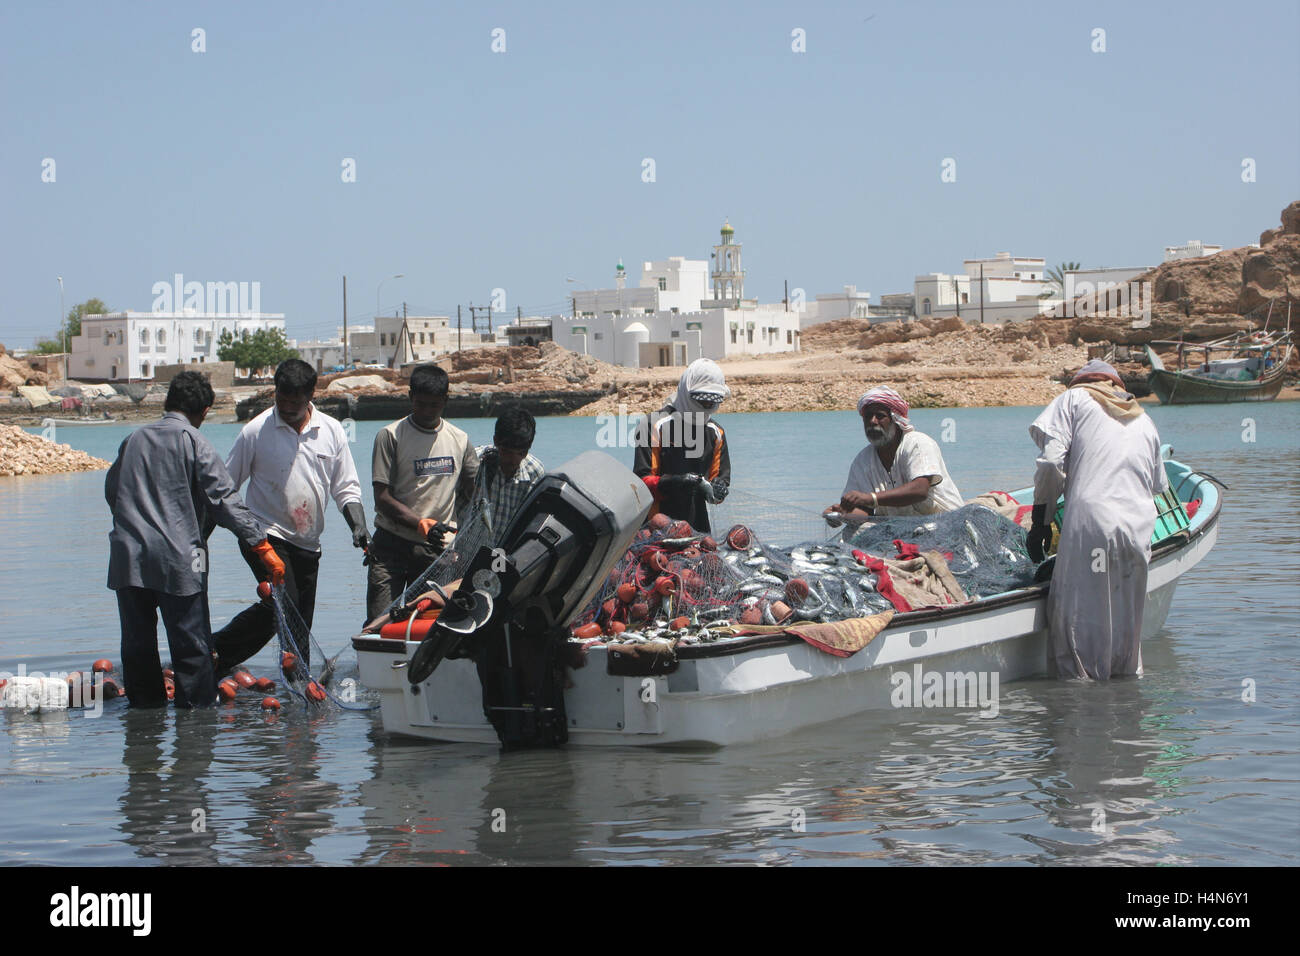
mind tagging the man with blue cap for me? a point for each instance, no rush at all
(1100, 448)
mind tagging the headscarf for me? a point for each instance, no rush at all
(702, 375)
(1098, 367)
(1110, 394)
(884, 395)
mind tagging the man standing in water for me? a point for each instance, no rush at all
(166, 480)
(900, 472)
(423, 472)
(1100, 448)
(294, 459)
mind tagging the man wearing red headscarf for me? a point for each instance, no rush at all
(900, 472)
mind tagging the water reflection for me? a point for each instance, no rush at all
(166, 803)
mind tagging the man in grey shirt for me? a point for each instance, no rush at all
(166, 480)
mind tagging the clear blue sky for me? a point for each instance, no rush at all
(478, 170)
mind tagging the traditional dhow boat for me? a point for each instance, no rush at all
(1251, 371)
(732, 691)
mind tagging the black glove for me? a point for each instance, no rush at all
(720, 489)
(355, 515)
(1040, 534)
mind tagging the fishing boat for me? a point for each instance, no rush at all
(763, 686)
(79, 421)
(1251, 369)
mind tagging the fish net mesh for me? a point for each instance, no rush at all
(475, 531)
(306, 670)
(985, 551)
(673, 578)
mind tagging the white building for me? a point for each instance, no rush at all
(829, 306)
(1001, 289)
(1194, 249)
(681, 310)
(325, 354)
(128, 346)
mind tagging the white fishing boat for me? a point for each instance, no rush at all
(758, 687)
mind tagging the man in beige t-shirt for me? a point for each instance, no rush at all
(423, 474)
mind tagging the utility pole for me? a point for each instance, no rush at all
(981, 293)
(956, 294)
(345, 321)
(457, 328)
(787, 295)
(474, 310)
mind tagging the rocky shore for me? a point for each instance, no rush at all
(22, 453)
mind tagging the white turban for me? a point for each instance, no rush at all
(701, 376)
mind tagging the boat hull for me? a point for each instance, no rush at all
(1181, 388)
(766, 687)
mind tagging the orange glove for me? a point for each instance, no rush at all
(271, 560)
(427, 525)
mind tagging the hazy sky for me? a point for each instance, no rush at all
(478, 170)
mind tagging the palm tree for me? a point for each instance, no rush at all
(1056, 278)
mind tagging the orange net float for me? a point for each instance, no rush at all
(102, 666)
(243, 678)
(270, 703)
(314, 691)
(288, 661)
(264, 684)
(227, 690)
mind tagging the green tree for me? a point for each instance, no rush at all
(1056, 278)
(263, 349)
(71, 326)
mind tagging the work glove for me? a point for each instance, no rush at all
(715, 492)
(355, 515)
(434, 532)
(1040, 534)
(271, 560)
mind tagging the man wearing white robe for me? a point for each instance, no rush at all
(1100, 448)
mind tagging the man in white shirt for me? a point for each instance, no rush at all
(900, 472)
(1098, 446)
(294, 459)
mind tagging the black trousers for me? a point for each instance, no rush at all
(394, 564)
(252, 628)
(189, 636)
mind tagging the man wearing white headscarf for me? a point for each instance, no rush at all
(1100, 448)
(682, 452)
(900, 472)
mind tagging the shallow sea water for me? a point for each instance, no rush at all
(1176, 767)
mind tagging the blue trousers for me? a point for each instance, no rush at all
(189, 636)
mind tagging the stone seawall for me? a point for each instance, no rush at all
(390, 407)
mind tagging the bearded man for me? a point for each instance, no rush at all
(900, 472)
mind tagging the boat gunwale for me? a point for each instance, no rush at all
(1172, 544)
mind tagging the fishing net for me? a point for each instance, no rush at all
(297, 646)
(674, 581)
(474, 532)
(985, 551)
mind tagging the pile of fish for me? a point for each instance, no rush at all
(675, 584)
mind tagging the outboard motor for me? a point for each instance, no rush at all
(515, 602)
